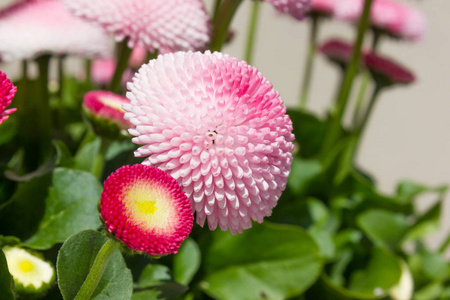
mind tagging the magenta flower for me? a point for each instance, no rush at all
(337, 51)
(164, 25)
(106, 105)
(392, 17)
(7, 92)
(296, 8)
(386, 71)
(323, 7)
(144, 208)
(31, 28)
(217, 126)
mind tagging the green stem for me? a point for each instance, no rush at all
(99, 162)
(365, 79)
(123, 56)
(60, 118)
(334, 125)
(221, 25)
(444, 245)
(310, 57)
(254, 14)
(363, 123)
(87, 70)
(151, 55)
(216, 10)
(97, 270)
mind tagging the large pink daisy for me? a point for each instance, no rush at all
(164, 25)
(217, 126)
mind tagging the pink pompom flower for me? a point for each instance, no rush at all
(296, 8)
(144, 208)
(163, 25)
(7, 92)
(387, 72)
(217, 126)
(392, 17)
(32, 28)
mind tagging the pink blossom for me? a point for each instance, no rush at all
(32, 28)
(163, 25)
(102, 70)
(387, 71)
(394, 18)
(145, 209)
(7, 92)
(337, 51)
(325, 7)
(217, 126)
(296, 8)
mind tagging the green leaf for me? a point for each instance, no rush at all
(8, 241)
(435, 266)
(382, 273)
(6, 280)
(71, 206)
(85, 156)
(187, 262)
(153, 275)
(302, 173)
(408, 190)
(426, 223)
(309, 131)
(383, 228)
(324, 240)
(64, 157)
(21, 215)
(75, 259)
(430, 291)
(268, 261)
(146, 295)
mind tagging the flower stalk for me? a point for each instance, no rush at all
(334, 126)
(222, 23)
(97, 270)
(99, 162)
(252, 26)
(122, 58)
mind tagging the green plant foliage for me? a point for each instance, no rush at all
(269, 261)
(68, 208)
(75, 259)
(6, 280)
(187, 262)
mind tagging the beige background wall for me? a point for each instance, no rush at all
(408, 134)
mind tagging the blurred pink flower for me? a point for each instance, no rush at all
(163, 25)
(138, 57)
(325, 7)
(7, 92)
(102, 70)
(387, 71)
(296, 8)
(217, 126)
(32, 28)
(337, 51)
(394, 18)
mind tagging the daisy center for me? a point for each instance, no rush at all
(26, 266)
(146, 207)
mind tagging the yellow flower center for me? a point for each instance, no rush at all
(146, 207)
(26, 266)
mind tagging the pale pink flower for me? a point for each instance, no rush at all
(138, 57)
(7, 92)
(394, 18)
(32, 28)
(296, 8)
(163, 25)
(217, 126)
(102, 70)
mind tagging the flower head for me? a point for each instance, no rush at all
(144, 207)
(387, 72)
(7, 92)
(35, 27)
(217, 126)
(323, 7)
(102, 70)
(31, 274)
(163, 25)
(337, 51)
(296, 8)
(392, 17)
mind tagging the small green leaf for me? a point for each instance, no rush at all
(408, 190)
(6, 280)
(8, 241)
(84, 158)
(153, 275)
(64, 157)
(383, 228)
(75, 259)
(186, 262)
(325, 242)
(71, 206)
(382, 273)
(435, 266)
(303, 172)
(426, 223)
(430, 291)
(268, 261)
(146, 295)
